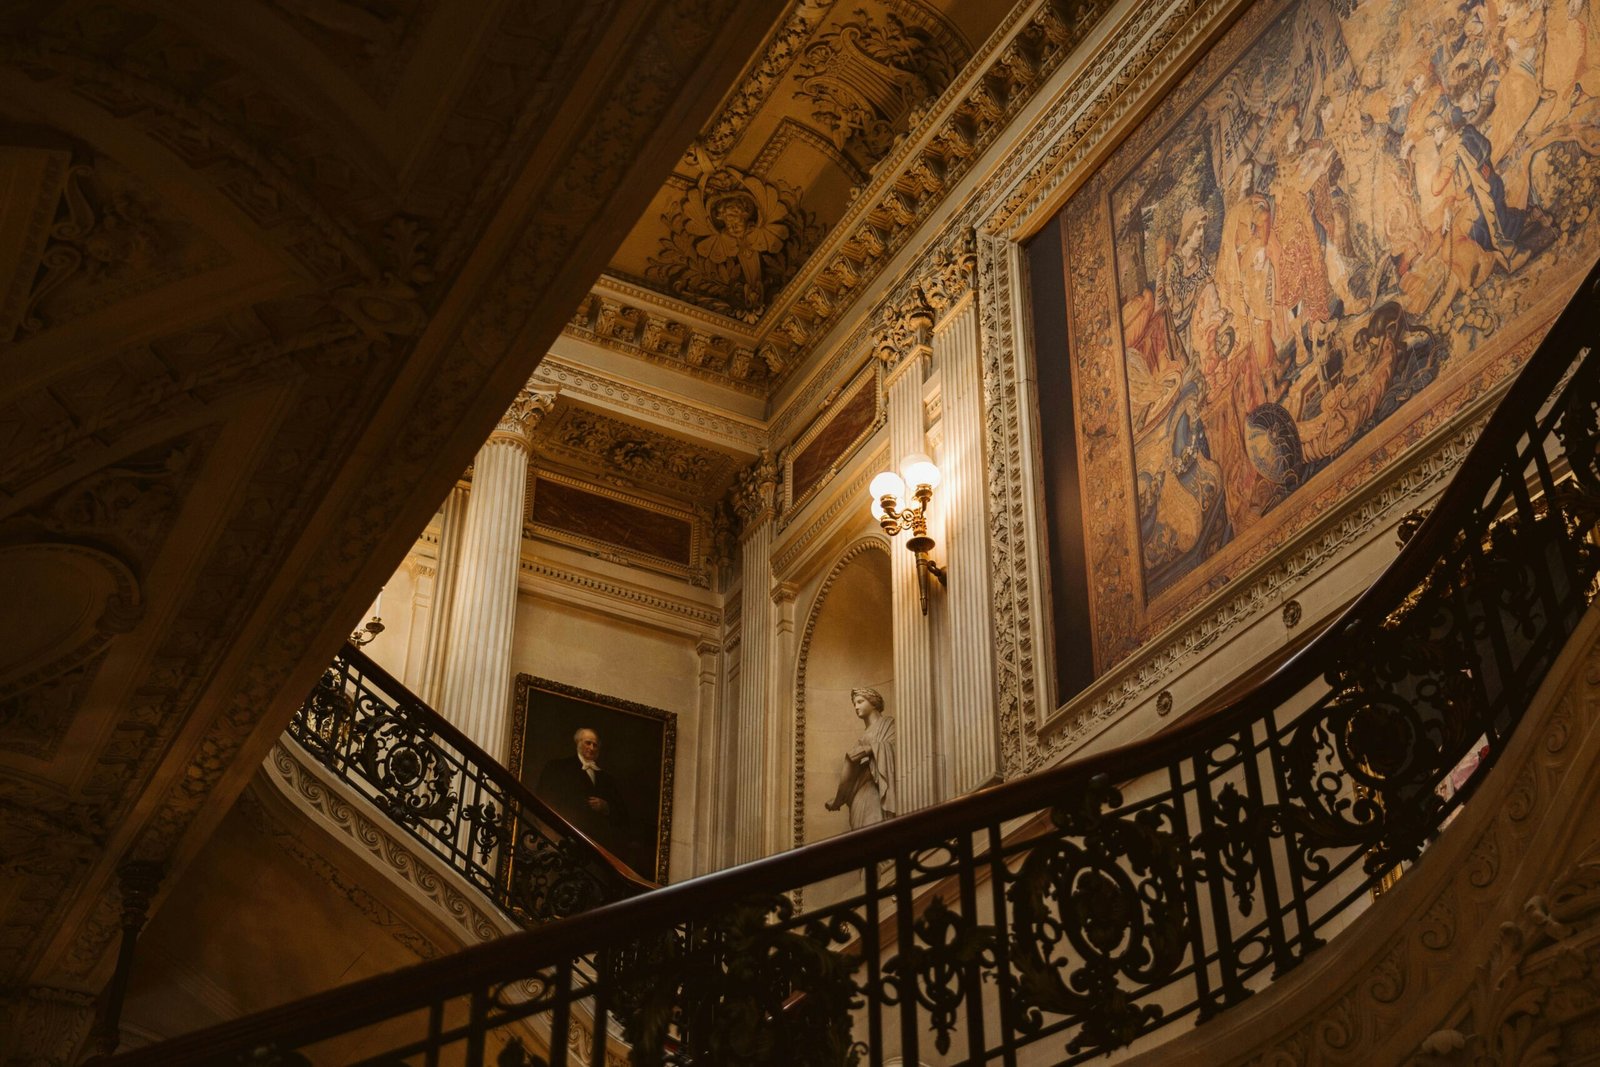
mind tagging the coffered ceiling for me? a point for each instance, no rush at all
(713, 279)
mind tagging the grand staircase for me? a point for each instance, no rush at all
(1109, 903)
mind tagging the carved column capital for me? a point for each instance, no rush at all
(755, 492)
(530, 407)
(905, 335)
(953, 273)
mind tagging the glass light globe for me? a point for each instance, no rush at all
(878, 514)
(887, 484)
(919, 470)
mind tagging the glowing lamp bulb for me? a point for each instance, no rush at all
(878, 514)
(887, 484)
(919, 471)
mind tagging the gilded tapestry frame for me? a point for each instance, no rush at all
(1125, 618)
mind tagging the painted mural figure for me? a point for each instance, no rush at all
(866, 783)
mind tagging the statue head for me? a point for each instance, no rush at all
(868, 697)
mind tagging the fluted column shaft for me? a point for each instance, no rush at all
(477, 673)
(914, 683)
(709, 781)
(452, 521)
(754, 499)
(971, 730)
(422, 601)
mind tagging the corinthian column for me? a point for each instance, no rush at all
(970, 730)
(477, 671)
(908, 355)
(753, 499)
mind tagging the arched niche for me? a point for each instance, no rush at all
(847, 642)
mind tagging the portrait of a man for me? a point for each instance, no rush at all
(585, 792)
(602, 763)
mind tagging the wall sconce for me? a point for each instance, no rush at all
(888, 490)
(374, 626)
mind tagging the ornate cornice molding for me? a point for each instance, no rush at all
(641, 330)
(947, 138)
(692, 612)
(584, 384)
(946, 141)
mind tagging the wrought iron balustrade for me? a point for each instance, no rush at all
(463, 806)
(1166, 880)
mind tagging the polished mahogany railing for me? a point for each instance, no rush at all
(1230, 846)
(374, 735)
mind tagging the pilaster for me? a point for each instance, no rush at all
(754, 499)
(971, 733)
(423, 579)
(436, 636)
(906, 348)
(709, 784)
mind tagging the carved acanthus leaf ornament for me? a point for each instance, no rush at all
(755, 492)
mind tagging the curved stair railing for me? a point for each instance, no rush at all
(1170, 879)
(373, 734)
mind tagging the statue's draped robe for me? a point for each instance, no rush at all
(874, 798)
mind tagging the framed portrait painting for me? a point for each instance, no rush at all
(604, 763)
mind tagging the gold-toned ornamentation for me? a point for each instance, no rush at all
(888, 490)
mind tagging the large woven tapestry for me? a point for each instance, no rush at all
(1347, 221)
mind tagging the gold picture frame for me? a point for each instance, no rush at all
(638, 751)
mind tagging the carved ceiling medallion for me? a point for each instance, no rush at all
(732, 241)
